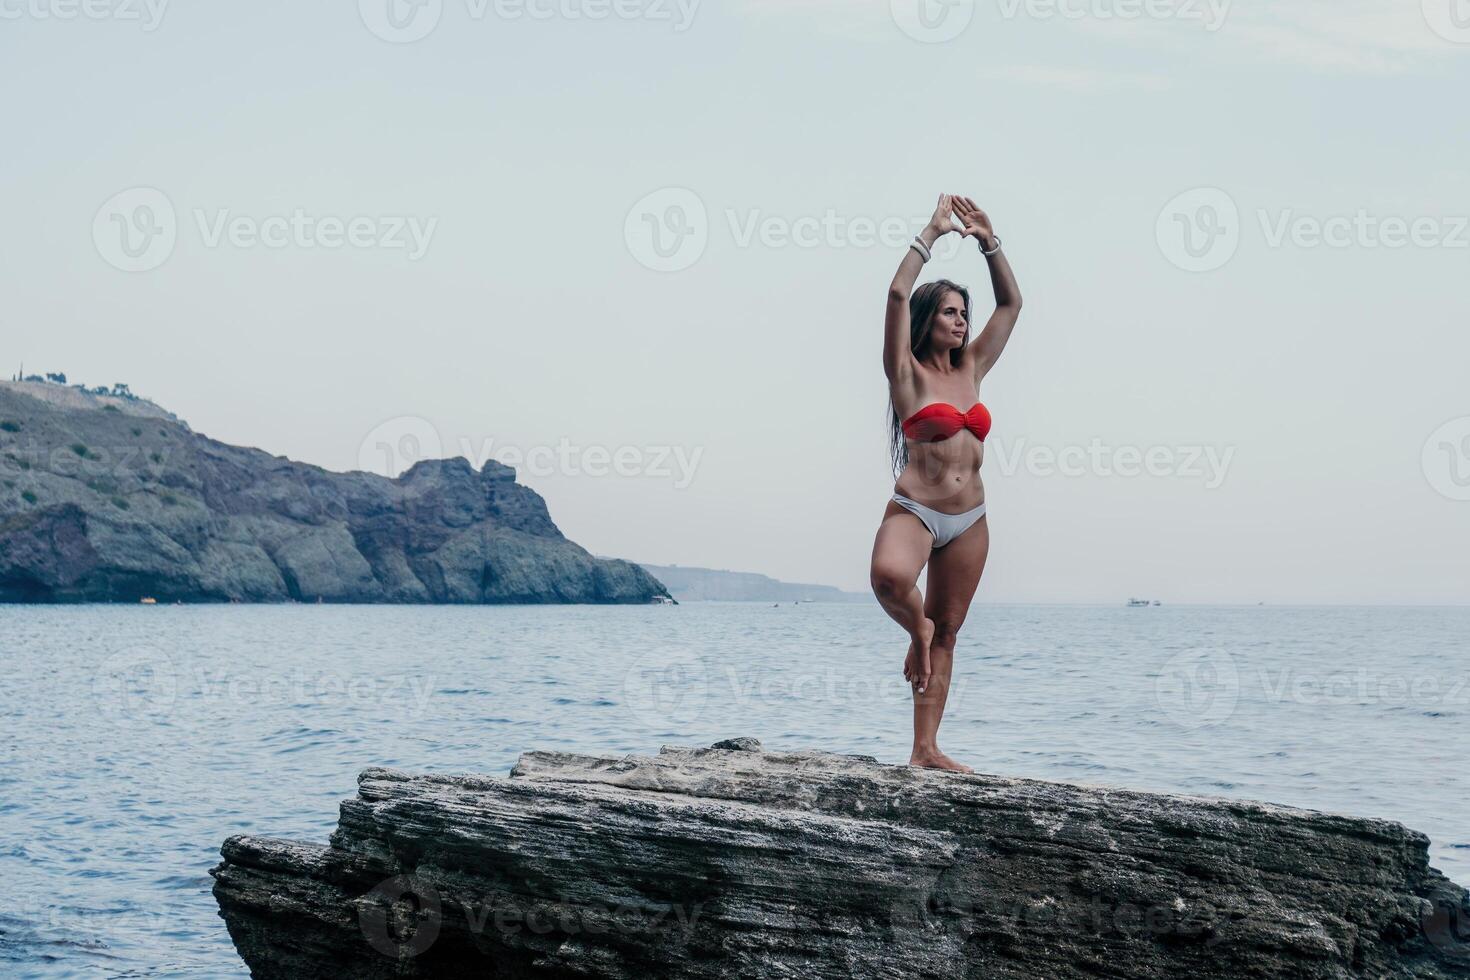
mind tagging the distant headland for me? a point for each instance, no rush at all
(690, 584)
(107, 497)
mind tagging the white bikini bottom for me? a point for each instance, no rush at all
(944, 527)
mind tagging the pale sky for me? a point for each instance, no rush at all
(1240, 231)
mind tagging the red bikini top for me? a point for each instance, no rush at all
(940, 420)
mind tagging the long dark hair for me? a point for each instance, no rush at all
(923, 304)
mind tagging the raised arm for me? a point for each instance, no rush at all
(898, 360)
(985, 348)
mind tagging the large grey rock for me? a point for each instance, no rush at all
(734, 861)
(107, 499)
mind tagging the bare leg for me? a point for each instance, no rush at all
(900, 550)
(954, 575)
(929, 709)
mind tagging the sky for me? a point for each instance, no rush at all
(638, 249)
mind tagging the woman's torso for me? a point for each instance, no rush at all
(945, 474)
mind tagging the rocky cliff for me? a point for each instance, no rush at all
(732, 861)
(109, 499)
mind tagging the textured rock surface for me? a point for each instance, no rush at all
(733, 861)
(109, 500)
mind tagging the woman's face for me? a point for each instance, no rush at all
(951, 322)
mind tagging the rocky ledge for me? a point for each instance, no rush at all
(735, 861)
(105, 499)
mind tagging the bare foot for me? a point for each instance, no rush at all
(917, 661)
(937, 760)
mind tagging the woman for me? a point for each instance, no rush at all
(937, 512)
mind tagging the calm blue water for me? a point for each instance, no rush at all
(137, 738)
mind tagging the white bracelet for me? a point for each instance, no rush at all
(993, 250)
(918, 245)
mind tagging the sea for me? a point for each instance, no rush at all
(137, 738)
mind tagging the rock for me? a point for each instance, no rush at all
(107, 499)
(737, 861)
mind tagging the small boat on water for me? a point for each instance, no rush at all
(1137, 602)
(148, 600)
